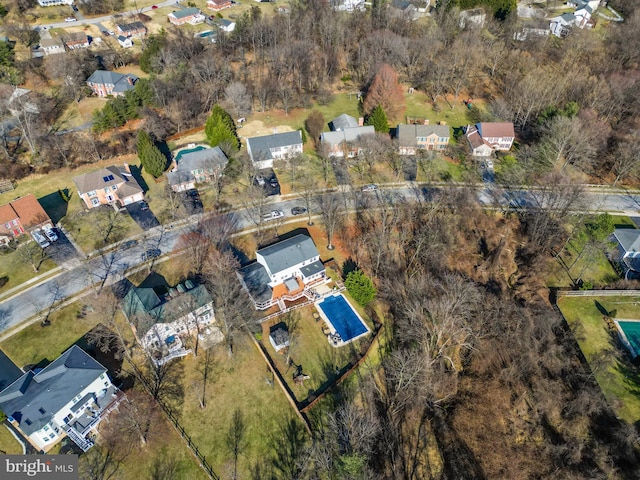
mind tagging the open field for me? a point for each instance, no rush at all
(617, 377)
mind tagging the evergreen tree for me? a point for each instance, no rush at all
(379, 120)
(151, 158)
(220, 130)
(153, 46)
(360, 287)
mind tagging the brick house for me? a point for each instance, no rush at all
(135, 29)
(192, 16)
(104, 83)
(217, 5)
(74, 40)
(21, 216)
(412, 138)
(109, 186)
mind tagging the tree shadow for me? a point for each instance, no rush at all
(54, 205)
(601, 308)
(287, 444)
(136, 171)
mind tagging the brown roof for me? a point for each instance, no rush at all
(474, 138)
(75, 37)
(27, 208)
(496, 129)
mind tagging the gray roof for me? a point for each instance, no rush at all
(628, 238)
(202, 159)
(350, 134)
(121, 82)
(260, 147)
(312, 269)
(186, 12)
(342, 122)
(280, 336)
(49, 390)
(107, 177)
(131, 27)
(164, 308)
(9, 371)
(289, 252)
(256, 279)
(407, 134)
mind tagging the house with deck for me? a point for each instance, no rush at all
(165, 319)
(627, 253)
(412, 138)
(285, 271)
(191, 15)
(196, 165)
(21, 216)
(114, 186)
(264, 150)
(69, 397)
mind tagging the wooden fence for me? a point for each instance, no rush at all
(598, 293)
(184, 133)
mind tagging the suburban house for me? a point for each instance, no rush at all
(68, 397)
(53, 3)
(164, 318)
(225, 25)
(531, 29)
(347, 5)
(408, 9)
(217, 5)
(125, 42)
(279, 336)
(134, 29)
(196, 165)
(190, 15)
(264, 150)
(113, 186)
(104, 83)
(627, 255)
(486, 137)
(412, 138)
(51, 46)
(75, 40)
(284, 271)
(561, 25)
(20, 216)
(345, 135)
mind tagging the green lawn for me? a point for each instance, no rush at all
(19, 270)
(8, 443)
(617, 377)
(240, 382)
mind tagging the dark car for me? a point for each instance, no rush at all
(143, 205)
(273, 182)
(128, 244)
(151, 253)
(153, 7)
(192, 193)
(75, 9)
(298, 210)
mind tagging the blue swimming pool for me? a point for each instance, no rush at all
(188, 150)
(343, 318)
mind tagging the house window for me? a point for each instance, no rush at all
(114, 188)
(92, 194)
(95, 202)
(52, 436)
(14, 223)
(46, 428)
(102, 376)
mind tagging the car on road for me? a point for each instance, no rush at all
(153, 7)
(143, 205)
(128, 244)
(40, 238)
(51, 234)
(298, 210)
(111, 32)
(151, 253)
(370, 188)
(273, 215)
(71, 19)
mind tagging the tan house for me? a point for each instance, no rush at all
(21, 216)
(52, 46)
(113, 186)
(412, 138)
(75, 40)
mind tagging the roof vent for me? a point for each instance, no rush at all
(298, 245)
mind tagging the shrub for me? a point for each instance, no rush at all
(360, 287)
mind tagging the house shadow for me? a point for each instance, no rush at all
(155, 281)
(121, 288)
(136, 171)
(36, 366)
(54, 205)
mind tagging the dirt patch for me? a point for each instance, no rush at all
(256, 128)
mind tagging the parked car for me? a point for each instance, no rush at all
(151, 253)
(143, 205)
(51, 234)
(75, 9)
(128, 244)
(40, 238)
(273, 215)
(370, 188)
(70, 19)
(489, 163)
(153, 7)
(273, 182)
(298, 210)
(260, 180)
(111, 32)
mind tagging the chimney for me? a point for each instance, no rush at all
(426, 121)
(360, 121)
(126, 167)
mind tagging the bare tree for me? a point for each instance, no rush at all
(206, 366)
(238, 98)
(164, 466)
(135, 416)
(332, 210)
(196, 248)
(32, 253)
(218, 229)
(292, 321)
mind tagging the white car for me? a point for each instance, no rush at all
(489, 164)
(71, 19)
(273, 215)
(51, 234)
(40, 239)
(370, 188)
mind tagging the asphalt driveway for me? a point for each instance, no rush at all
(145, 218)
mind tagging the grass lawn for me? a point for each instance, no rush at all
(19, 270)
(237, 383)
(8, 443)
(617, 377)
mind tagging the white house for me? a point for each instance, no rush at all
(68, 397)
(53, 3)
(485, 137)
(125, 42)
(52, 46)
(283, 271)
(348, 5)
(264, 150)
(560, 26)
(627, 255)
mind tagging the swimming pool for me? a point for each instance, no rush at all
(187, 151)
(630, 334)
(336, 311)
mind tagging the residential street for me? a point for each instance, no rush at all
(110, 267)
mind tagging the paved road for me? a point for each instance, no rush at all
(79, 274)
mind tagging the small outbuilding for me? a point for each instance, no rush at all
(279, 336)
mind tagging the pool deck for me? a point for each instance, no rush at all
(623, 336)
(323, 316)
